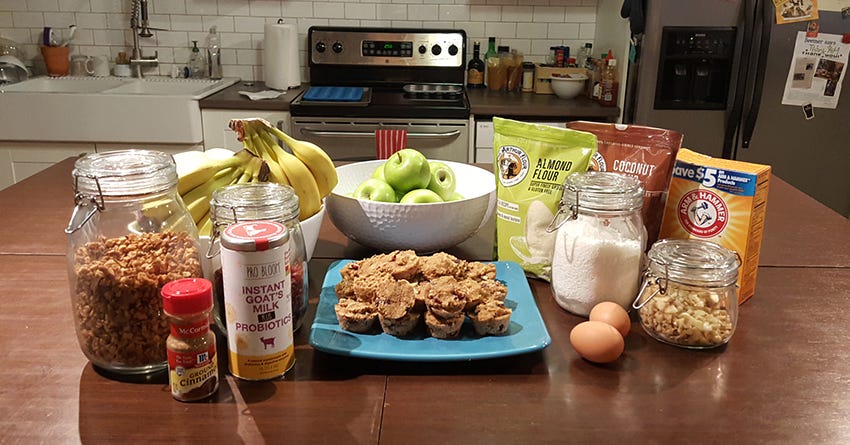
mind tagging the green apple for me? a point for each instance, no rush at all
(374, 189)
(406, 170)
(455, 197)
(420, 196)
(379, 173)
(442, 179)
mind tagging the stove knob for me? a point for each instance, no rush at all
(453, 50)
(436, 50)
(337, 47)
(321, 47)
(422, 49)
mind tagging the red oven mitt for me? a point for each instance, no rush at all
(389, 142)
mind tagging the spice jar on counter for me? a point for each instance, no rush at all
(128, 236)
(689, 296)
(260, 201)
(192, 360)
(600, 241)
(527, 77)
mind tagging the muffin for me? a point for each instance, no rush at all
(355, 316)
(441, 264)
(395, 308)
(491, 318)
(444, 328)
(443, 298)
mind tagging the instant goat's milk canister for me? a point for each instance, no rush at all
(721, 201)
(531, 163)
(258, 299)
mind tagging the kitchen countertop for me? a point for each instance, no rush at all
(230, 99)
(781, 379)
(482, 102)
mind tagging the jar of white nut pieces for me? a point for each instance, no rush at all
(128, 236)
(689, 296)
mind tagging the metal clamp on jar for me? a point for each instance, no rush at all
(128, 236)
(259, 201)
(689, 296)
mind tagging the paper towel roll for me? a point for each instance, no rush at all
(281, 62)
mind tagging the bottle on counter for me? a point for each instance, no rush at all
(192, 359)
(585, 56)
(475, 69)
(213, 54)
(197, 65)
(527, 77)
(609, 85)
(491, 52)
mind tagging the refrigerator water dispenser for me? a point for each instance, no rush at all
(694, 68)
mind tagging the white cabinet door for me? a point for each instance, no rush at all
(484, 138)
(217, 133)
(20, 160)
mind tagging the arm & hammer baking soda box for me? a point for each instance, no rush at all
(722, 201)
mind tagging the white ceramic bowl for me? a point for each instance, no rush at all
(568, 87)
(425, 228)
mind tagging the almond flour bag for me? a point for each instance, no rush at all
(531, 163)
(646, 153)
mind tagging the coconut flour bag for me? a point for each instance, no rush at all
(531, 163)
(646, 153)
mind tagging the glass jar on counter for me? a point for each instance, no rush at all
(689, 296)
(128, 236)
(259, 201)
(600, 241)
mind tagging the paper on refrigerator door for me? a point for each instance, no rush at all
(817, 70)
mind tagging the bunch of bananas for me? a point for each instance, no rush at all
(197, 184)
(308, 169)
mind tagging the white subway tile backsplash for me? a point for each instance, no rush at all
(43, 5)
(168, 7)
(362, 11)
(548, 14)
(187, 23)
(485, 13)
(423, 12)
(563, 31)
(249, 24)
(13, 5)
(305, 9)
(580, 14)
(530, 26)
(392, 12)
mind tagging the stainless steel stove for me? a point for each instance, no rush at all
(366, 79)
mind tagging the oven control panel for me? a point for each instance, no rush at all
(387, 47)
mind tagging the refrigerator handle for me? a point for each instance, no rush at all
(733, 119)
(763, 18)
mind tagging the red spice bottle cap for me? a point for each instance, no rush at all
(187, 296)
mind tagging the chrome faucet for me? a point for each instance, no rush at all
(139, 25)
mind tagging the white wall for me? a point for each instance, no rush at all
(529, 26)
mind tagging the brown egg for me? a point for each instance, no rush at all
(597, 341)
(613, 314)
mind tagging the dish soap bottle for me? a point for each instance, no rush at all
(197, 67)
(213, 54)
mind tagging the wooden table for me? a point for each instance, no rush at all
(784, 377)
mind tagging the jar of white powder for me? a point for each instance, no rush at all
(600, 241)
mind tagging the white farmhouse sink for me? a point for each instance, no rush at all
(107, 109)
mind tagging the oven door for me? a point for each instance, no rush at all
(353, 139)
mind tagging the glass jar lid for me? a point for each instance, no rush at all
(254, 201)
(124, 173)
(693, 262)
(602, 191)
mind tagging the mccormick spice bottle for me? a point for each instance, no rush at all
(192, 361)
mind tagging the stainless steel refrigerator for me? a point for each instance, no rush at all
(716, 70)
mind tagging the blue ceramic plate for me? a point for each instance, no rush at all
(526, 333)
